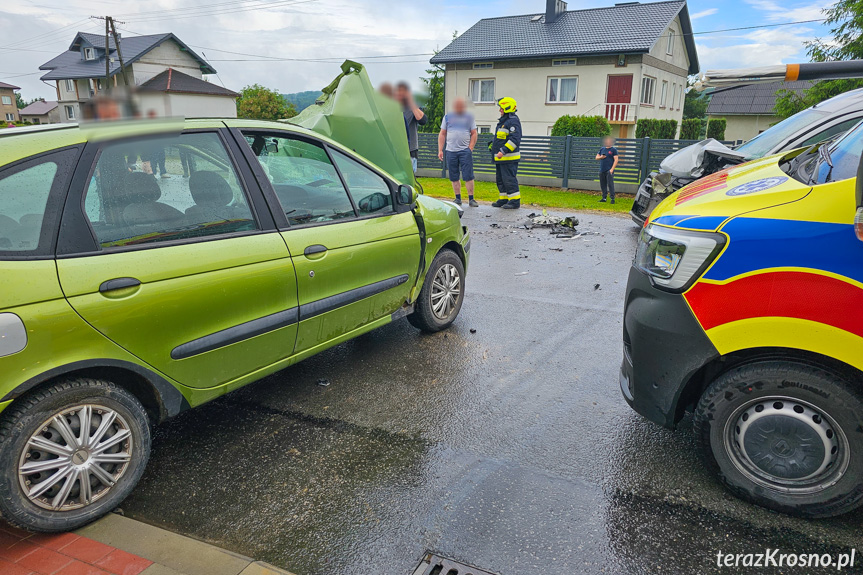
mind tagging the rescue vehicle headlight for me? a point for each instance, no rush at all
(672, 257)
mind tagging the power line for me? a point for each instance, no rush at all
(206, 11)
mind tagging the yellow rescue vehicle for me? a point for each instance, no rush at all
(745, 303)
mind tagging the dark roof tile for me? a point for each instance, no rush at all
(173, 81)
(751, 99)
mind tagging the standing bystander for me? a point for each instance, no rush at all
(414, 117)
(456, 140)
(608, 159)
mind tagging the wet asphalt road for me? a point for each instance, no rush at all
(510, 448)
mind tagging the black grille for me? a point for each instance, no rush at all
(433, 564)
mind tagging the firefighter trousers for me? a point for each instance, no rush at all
(507, 180)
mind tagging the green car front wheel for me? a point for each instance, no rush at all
(442, 294)
(70, 453)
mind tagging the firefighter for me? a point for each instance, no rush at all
(506, 149)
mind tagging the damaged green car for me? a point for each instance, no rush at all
(148, 268)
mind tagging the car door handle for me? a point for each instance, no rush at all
(118, 283)
(315, 249)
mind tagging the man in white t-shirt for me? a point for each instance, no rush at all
(457, 138)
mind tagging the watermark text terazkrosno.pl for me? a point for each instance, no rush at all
(777, 558)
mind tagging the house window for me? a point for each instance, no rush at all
(562, 90)
(484, 129)
(674, 97)
(680, 97)
(663, 96)
(10, 117)
(70, 112)
(648, 88)
(669, 48)
(89, 54)
(70, 86)
(482, 91)
(7, 100)
(563, 62)
(483, 66)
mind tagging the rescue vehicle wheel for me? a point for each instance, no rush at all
(442, 294)
(786, 436)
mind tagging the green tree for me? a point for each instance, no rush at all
(694, 105)
(716, 128)
(845, 43)
(19, 101)
(434, 104)
(690, 129)
(259, 103)
(581, 126)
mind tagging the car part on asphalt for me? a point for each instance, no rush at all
(434, 564)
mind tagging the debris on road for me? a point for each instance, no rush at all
(472, 330)
(522, 273)
(324, 382)
(596, 287)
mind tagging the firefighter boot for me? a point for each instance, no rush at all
(500, 203)
(512, 205)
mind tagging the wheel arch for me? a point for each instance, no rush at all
(456, 247)
(701, 379)
(159, 397)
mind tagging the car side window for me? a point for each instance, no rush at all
(370, 192)
(306, 182)
(23, 201)
(165, 189)
(830, 132)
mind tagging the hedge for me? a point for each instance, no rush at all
(659, 129)
(716, 128)
(581, 126)
(690, 129)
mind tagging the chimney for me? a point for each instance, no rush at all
(553, 10)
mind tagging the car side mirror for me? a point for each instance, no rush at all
(272, 147)
(406, 195)
(858, 217)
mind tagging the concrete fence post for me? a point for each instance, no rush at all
(443, 166)
(567, 159)
(645, 159)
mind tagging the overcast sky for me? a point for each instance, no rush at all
(34, 31)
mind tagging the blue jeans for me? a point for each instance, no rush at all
(460, 162)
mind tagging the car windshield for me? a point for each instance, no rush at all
(767, 141)
(845, 157)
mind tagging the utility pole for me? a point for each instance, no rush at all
(111, 32)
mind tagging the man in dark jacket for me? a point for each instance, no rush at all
(414, 117)
(506, 149)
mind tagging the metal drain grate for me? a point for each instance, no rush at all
(433, 564)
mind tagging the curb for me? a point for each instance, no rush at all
(171, 553)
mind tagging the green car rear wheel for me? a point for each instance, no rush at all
(70, 453)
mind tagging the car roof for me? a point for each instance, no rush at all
(22, 142)
(842, 102)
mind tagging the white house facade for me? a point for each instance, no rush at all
(624, 62)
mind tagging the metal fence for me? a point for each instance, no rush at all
(565, 158)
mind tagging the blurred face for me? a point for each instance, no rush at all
(387, 90)
(609, 142)
(501, 111)
(459, 106)
(402, 94)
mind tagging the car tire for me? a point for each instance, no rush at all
(444, 281)
(786, 436)
(32, 433)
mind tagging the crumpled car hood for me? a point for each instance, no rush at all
(688, 162)
(707, 203)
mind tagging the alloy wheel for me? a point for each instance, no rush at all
(446, 291)
(75, 457)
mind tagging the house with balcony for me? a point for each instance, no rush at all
(8, 103)
(81, 76)
(625, 62)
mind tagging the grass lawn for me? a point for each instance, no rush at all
(531, 195)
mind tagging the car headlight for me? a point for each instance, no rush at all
(673, 258)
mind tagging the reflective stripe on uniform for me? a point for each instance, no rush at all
(502, 134)
(508, 157)
(510, 145)
(515, 196)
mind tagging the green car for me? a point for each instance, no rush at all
(149, 268)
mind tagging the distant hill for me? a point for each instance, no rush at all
(302, 100)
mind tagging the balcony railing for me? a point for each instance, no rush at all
(623, 113)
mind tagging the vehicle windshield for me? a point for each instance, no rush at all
(767, 141)
(845, 157)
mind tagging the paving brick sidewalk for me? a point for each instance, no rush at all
(116, 545)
